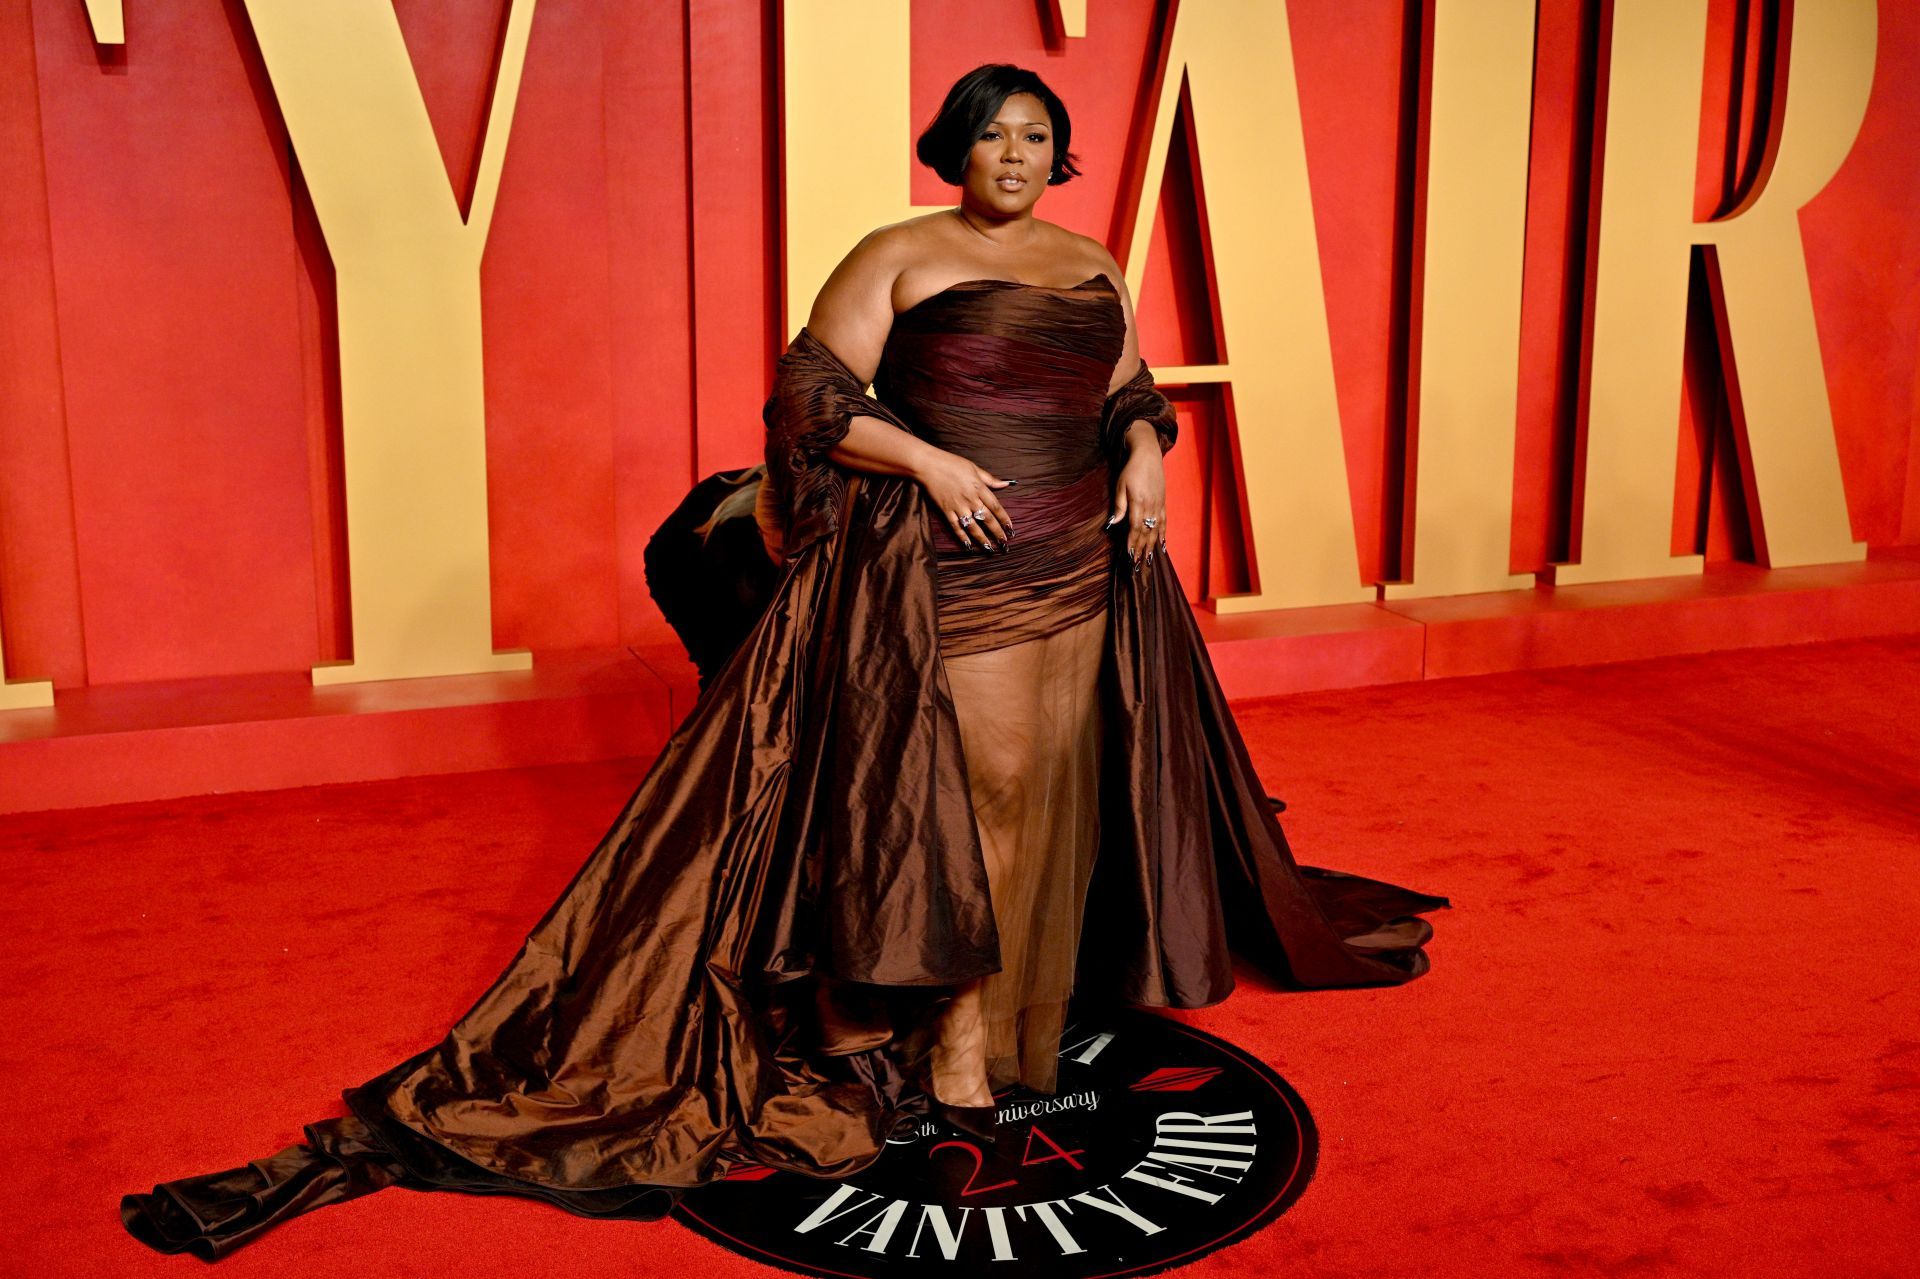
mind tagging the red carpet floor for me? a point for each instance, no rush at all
(1672, 1027)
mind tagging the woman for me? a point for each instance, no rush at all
(853, 886)
(1022, 631)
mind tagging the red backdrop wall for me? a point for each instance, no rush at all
(169, 496)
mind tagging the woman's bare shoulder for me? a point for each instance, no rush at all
(871, 270)
(903, 241)
(883, 248)
(1088, 256)
(853, 312)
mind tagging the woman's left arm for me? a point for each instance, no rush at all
(1138, 425)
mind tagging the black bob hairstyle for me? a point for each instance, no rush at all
(969, 109)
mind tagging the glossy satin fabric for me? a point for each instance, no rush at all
(746, 965)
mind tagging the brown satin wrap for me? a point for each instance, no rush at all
(815, 399)
(1138, 400)
(744, 967)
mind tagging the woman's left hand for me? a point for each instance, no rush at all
(1140, 499)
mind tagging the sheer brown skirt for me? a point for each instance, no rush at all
(1022, 636)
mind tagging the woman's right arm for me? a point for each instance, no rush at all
(852, 315)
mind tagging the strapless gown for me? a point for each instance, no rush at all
(920, 765)
(1014, 378)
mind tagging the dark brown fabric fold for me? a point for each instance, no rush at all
(815, 399)
(744, 967)
(1193, 856)
(1138, 399)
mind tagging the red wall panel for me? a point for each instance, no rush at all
(173, 260)
(649, 281)
(1863, 258)
(169, 419)
(39, 571)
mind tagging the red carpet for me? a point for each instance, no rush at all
(1672, 1027)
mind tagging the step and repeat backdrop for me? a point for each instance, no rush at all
(375, 337)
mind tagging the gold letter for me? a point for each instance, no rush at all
(1461, 503)
(1237, 60)
(25, 693)
(109, 23)
(1646, 230)
(820, 40)
(407, 268)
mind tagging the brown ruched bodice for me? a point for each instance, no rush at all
(1013, 377)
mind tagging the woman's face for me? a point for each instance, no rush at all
(1011, 159)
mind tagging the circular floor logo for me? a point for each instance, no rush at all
(1161, 1144)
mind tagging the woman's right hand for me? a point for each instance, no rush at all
(957, 487)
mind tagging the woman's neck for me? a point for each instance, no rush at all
(1015, 232)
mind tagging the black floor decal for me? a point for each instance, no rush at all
(1162, 1143)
